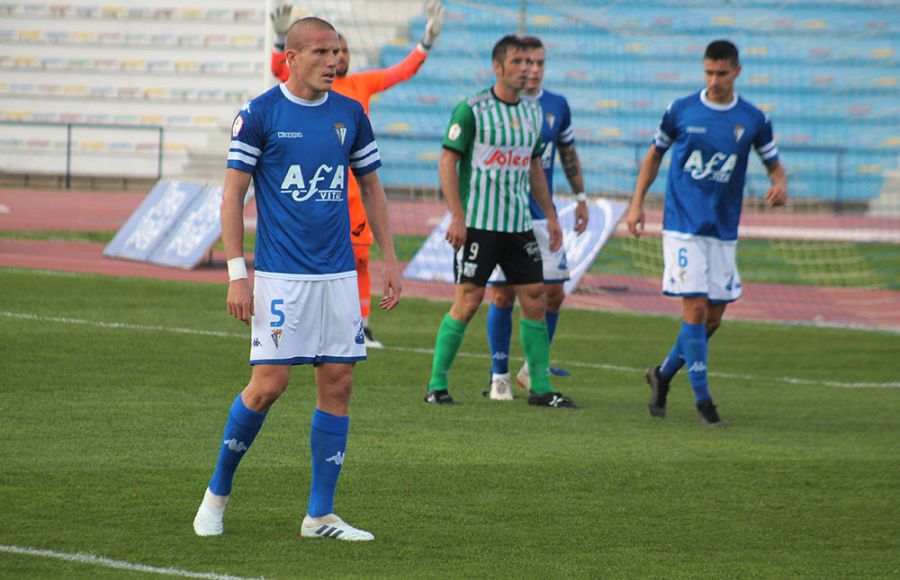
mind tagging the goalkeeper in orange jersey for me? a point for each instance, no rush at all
(361, 86)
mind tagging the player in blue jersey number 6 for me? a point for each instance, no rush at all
(297, 142)
(710, 133)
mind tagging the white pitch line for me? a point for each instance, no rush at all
(430, 351)
(82, 558)
(609, 367)
(798, 323)
(122, 325)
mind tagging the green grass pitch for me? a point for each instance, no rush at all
(115, 391)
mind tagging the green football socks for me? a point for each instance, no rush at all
(536, 344)
(449, 337)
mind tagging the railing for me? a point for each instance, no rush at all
(160, 131)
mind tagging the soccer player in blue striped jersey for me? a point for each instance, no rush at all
(556, 135)
(297, 143)
(710, 133)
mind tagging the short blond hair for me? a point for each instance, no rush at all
(297, 34)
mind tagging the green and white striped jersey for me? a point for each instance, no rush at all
(497, 142)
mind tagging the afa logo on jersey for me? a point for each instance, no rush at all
(296, 186)
(718, 167)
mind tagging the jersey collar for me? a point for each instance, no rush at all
(295, 99)
(493, 94)
(718, 106)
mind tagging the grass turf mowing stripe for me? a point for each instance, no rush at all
(430, 351)
(82, 558)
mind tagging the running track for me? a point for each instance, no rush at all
(85, 211)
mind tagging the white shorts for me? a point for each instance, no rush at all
(300, 322)
(700, 266)
(556, 267)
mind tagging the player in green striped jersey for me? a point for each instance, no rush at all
(491, 154)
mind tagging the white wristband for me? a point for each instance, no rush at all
(580, 196)
(237, 269)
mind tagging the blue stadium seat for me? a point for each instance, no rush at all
(828, 72)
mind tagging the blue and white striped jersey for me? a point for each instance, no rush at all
(556, 130)
(299, 153)
(710, 149)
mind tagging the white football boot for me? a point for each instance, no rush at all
(208, 521)
(501, 388)
(331, 526)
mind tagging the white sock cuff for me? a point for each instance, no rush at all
(213, 501)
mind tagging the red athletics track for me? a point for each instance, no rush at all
(85, 211)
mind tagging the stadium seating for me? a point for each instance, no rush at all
(827, 72)
(186, 67)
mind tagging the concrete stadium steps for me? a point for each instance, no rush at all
(828, 71)
(864, 19)
(428, 93)
(625, 47)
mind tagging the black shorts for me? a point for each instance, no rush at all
(517, 254)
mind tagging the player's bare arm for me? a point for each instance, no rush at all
(646, 176)
(778, 193)
(375, 202)
(572, 168)
(240, 296)
(541, 194)
(447, 168)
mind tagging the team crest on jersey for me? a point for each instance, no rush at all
(341, 131)
(276, 336)
(738, 133)
(551, 119)
(515, 123)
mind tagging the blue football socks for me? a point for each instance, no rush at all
(675, 359)
(328, 442)
(693, 344)
(499, 332)
(240, 430)
(552, 318)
